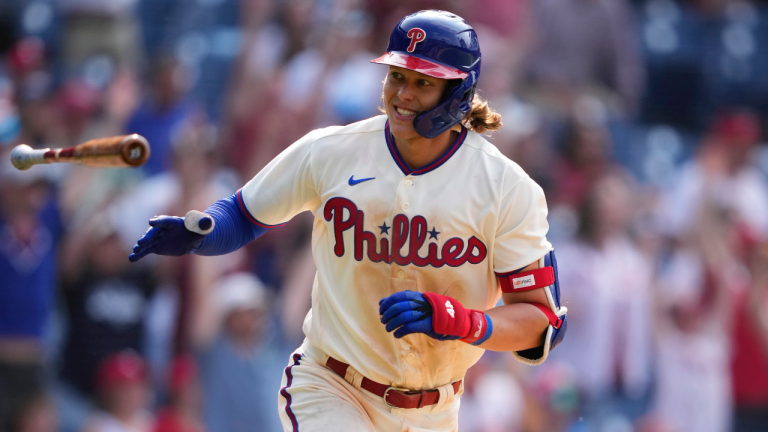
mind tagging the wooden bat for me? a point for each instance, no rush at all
(118, 151)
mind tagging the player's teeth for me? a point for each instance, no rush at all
(405, 112)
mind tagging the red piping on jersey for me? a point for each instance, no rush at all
(429, 167)
(247, 214)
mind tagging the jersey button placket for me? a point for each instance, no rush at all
(402, 198)
(408, 182)
(412, 368)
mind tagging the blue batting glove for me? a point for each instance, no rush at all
(167, 235)
(409, 312)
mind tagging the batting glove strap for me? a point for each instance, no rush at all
(449, 317)
(481, 329)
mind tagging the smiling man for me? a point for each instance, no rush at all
(421, 226)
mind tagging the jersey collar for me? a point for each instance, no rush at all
(426, 168)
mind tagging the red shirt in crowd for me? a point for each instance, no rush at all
(170, 421)
(750, 362)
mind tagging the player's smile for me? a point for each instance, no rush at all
(406, 94)
(404, 113)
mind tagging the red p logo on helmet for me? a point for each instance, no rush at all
(416, 35)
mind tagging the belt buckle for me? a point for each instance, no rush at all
(386, 392)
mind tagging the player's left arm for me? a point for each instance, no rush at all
(529, 324)
(518, 324)
(530, 295)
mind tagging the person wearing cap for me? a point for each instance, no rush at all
(237, 355)
(124, 395)
(723, 169)
(184, 411)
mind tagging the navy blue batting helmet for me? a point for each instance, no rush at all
(442, 45)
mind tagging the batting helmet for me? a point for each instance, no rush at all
(442, 45)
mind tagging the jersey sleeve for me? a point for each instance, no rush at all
(283, 189)
(521, 235)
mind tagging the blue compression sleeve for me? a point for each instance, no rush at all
(232, 229)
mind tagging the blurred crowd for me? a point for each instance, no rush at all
(643, 120)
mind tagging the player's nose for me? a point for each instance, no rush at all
(406, 92)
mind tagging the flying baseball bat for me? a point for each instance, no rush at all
(118, 151)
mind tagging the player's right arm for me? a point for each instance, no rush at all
(284, 188)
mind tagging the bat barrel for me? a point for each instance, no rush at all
(135, 150)
(24, 156)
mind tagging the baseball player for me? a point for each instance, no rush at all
(420, 227)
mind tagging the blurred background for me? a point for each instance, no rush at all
(644, 121)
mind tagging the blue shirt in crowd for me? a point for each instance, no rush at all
(241, 388)
(28, 276)
(159, 128)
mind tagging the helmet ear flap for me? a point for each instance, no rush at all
(450, 111)
(466, 102)
(449, 88)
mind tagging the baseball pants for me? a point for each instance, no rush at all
(313, 398)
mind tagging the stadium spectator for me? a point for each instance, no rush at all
(749, 367)
(30, 230)
(717, 207)
(585, 47)
(609, 292)
(106, 304)
(584, 160)
(237, 355)
(37, 416)
(124, 396)
(99, 28)
(162, 114)
(723, 171)
(184, 411)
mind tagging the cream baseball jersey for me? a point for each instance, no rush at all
(381, 228)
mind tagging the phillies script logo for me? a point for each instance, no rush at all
(404, 231)
(416, 35)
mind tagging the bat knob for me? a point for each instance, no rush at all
(198, 222)
(24, 156)
(205, 223)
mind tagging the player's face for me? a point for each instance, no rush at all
(406, 94)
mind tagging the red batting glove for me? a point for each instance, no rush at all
(449, 317)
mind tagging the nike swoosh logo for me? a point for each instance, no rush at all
(353, 182)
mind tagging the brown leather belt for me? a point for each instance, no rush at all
(394, 397)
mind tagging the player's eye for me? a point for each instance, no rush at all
(396, 75)
(424, 82)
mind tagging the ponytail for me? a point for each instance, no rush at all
(481, 117)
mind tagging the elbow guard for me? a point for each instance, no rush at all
(544, 277)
